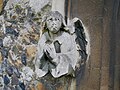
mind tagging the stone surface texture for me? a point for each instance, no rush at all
(19, 34)
(102, 72)
(61, 51)
(101, 18)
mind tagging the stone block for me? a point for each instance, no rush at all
(92, 81)
(117, 77)
(104, 78)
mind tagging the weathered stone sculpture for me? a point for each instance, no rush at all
(61, 48)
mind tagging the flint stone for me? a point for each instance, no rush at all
(16, 71)
(17, 87)
(6, 80)
(12, 88)
(5, 52)
(14, 80)
(22, 85)
(27, 73)
(9, 70)
(11, 31)
(4, 64)
(1, 42)
(1, 71)
(24, 59)
(1, 82)
(6, 88)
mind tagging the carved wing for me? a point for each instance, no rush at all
(81, 40)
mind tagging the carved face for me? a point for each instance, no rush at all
(54, 23)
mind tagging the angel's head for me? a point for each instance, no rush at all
(53, 21)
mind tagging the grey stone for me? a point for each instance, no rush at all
(1, 82)
(17, 87)
(24, 58)
(1, 43)
(14, 80)
(9, 70)
(6, 80)
(16, 72)
(61, 57)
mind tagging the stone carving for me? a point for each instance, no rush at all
(61, 48)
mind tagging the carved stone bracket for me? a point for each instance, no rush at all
(62, 48)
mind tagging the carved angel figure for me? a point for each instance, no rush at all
(61, 48)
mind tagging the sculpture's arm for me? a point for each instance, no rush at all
(40, 72)
(68, 53)
(70, 57)
(65, 63)
(40, 50)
